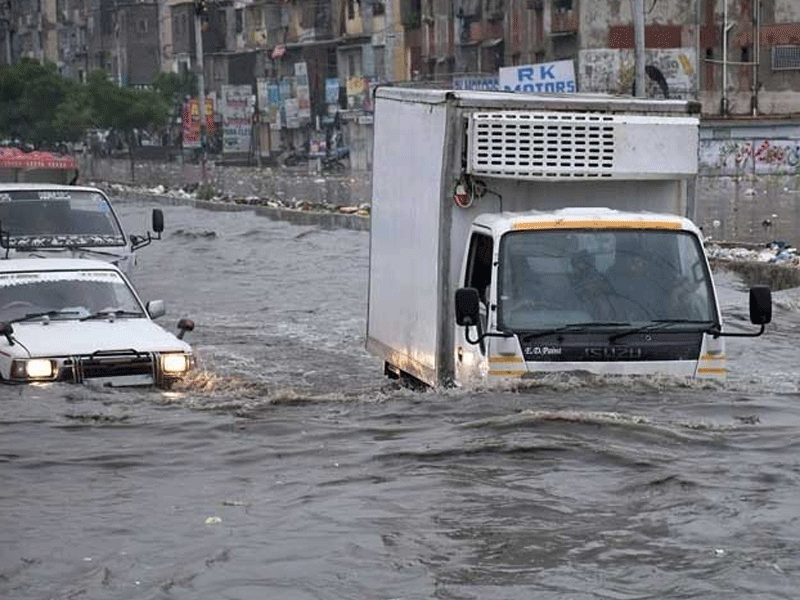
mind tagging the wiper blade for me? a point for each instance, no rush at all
(36, 315)
(101, 314)
(570, 327)
(659, 324)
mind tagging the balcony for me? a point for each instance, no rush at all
(564, 22)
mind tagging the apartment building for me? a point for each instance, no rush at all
(738, 57)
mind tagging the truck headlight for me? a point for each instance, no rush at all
(175, 363)
(33, 369)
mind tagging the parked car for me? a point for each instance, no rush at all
(80, 320)
(39, 219)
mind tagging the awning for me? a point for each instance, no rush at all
(14, 158)
(491, 43)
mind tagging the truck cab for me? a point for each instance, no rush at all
(597, 290)
(45, 220)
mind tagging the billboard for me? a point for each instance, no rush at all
(475, 82)
(237, 114)
(553, 77)
(191, 121)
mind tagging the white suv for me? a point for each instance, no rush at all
(38, 219)
(80, 320)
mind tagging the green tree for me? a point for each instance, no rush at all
(175, 87)
(124, 110)
(38, 106)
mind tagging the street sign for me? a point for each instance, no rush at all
(554, 77)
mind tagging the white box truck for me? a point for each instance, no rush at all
(516, 234)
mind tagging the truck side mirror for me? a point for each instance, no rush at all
(158, 220)
(467, 307)
(760, 305)
(760, 311)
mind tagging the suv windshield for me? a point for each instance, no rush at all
(550, 278)
(65, 294)
(55, 218)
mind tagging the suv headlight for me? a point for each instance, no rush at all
(175, 363)
(33, 369)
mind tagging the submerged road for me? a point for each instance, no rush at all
(288, 467)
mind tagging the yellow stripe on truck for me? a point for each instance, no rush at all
(711, 371)
(507, 373)
(596, 224)
(505, 359)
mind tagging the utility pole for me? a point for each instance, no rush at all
(725, 28)
(200, 12)
(756, 58)
(637, 12)
(7, 18)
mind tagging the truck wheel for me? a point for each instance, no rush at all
(391, 371)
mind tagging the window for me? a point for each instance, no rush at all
(785, 58)
(479, 265)
(479, 274)
(380, 67)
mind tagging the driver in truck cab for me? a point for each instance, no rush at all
(592, 289)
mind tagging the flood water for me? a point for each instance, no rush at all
(288, 467)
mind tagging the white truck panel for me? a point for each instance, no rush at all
(404, 272)
(419, 234)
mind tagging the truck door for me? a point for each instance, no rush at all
(478, 275)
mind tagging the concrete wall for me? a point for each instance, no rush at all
(287, 185)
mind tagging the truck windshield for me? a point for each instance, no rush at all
(552, 278)
(65, 294)
(52, 218)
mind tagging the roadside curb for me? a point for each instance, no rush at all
(326, 220)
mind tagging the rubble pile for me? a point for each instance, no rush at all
(776, 252)
(195, 192)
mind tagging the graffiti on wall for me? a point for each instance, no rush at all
(612, 71)
(762, 156)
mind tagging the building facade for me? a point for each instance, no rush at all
(739, 58)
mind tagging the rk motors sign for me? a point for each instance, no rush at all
(555, 77)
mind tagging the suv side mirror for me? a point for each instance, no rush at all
(467, 307)
(158, 220)
(155, 308)
(185, 325)
(7, 330)
(760, 305)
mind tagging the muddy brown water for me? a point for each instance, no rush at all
(287, 467)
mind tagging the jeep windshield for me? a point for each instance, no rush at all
(72, 294)
(57, 218)
(617, 277)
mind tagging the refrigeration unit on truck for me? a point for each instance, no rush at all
(517, 234)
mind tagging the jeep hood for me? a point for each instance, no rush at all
(65, 338)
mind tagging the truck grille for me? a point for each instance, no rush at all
(117, 364)
(541, 145)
